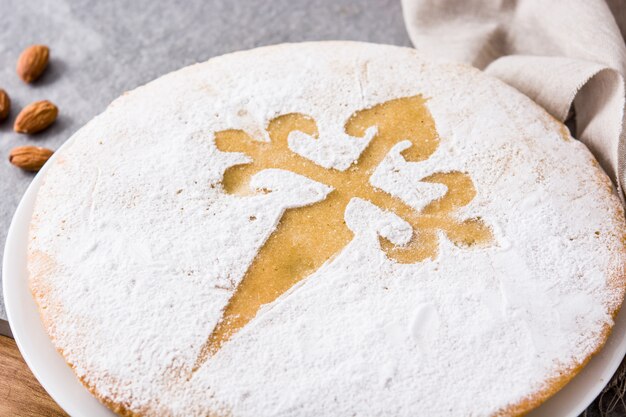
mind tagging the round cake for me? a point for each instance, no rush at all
(326, 229)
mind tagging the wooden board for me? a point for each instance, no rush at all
(20, 393)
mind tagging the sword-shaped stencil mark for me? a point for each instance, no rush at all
(306, 237)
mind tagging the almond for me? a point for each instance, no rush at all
(36, 117)
(5, 104)
(29, 158)
(32, 62)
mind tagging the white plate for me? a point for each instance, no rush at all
(58, 379)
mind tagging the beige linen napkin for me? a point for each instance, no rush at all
(564, 54)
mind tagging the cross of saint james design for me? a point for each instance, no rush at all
(288, 256)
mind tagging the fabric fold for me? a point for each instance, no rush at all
(562, 54)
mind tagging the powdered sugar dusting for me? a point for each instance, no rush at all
(143, 249)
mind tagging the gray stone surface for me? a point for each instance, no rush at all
(100, 49)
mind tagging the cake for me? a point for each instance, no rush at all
(326, 229)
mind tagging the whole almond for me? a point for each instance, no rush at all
(36, 117)
(29, 158)
(32, 62)
(5, 104)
